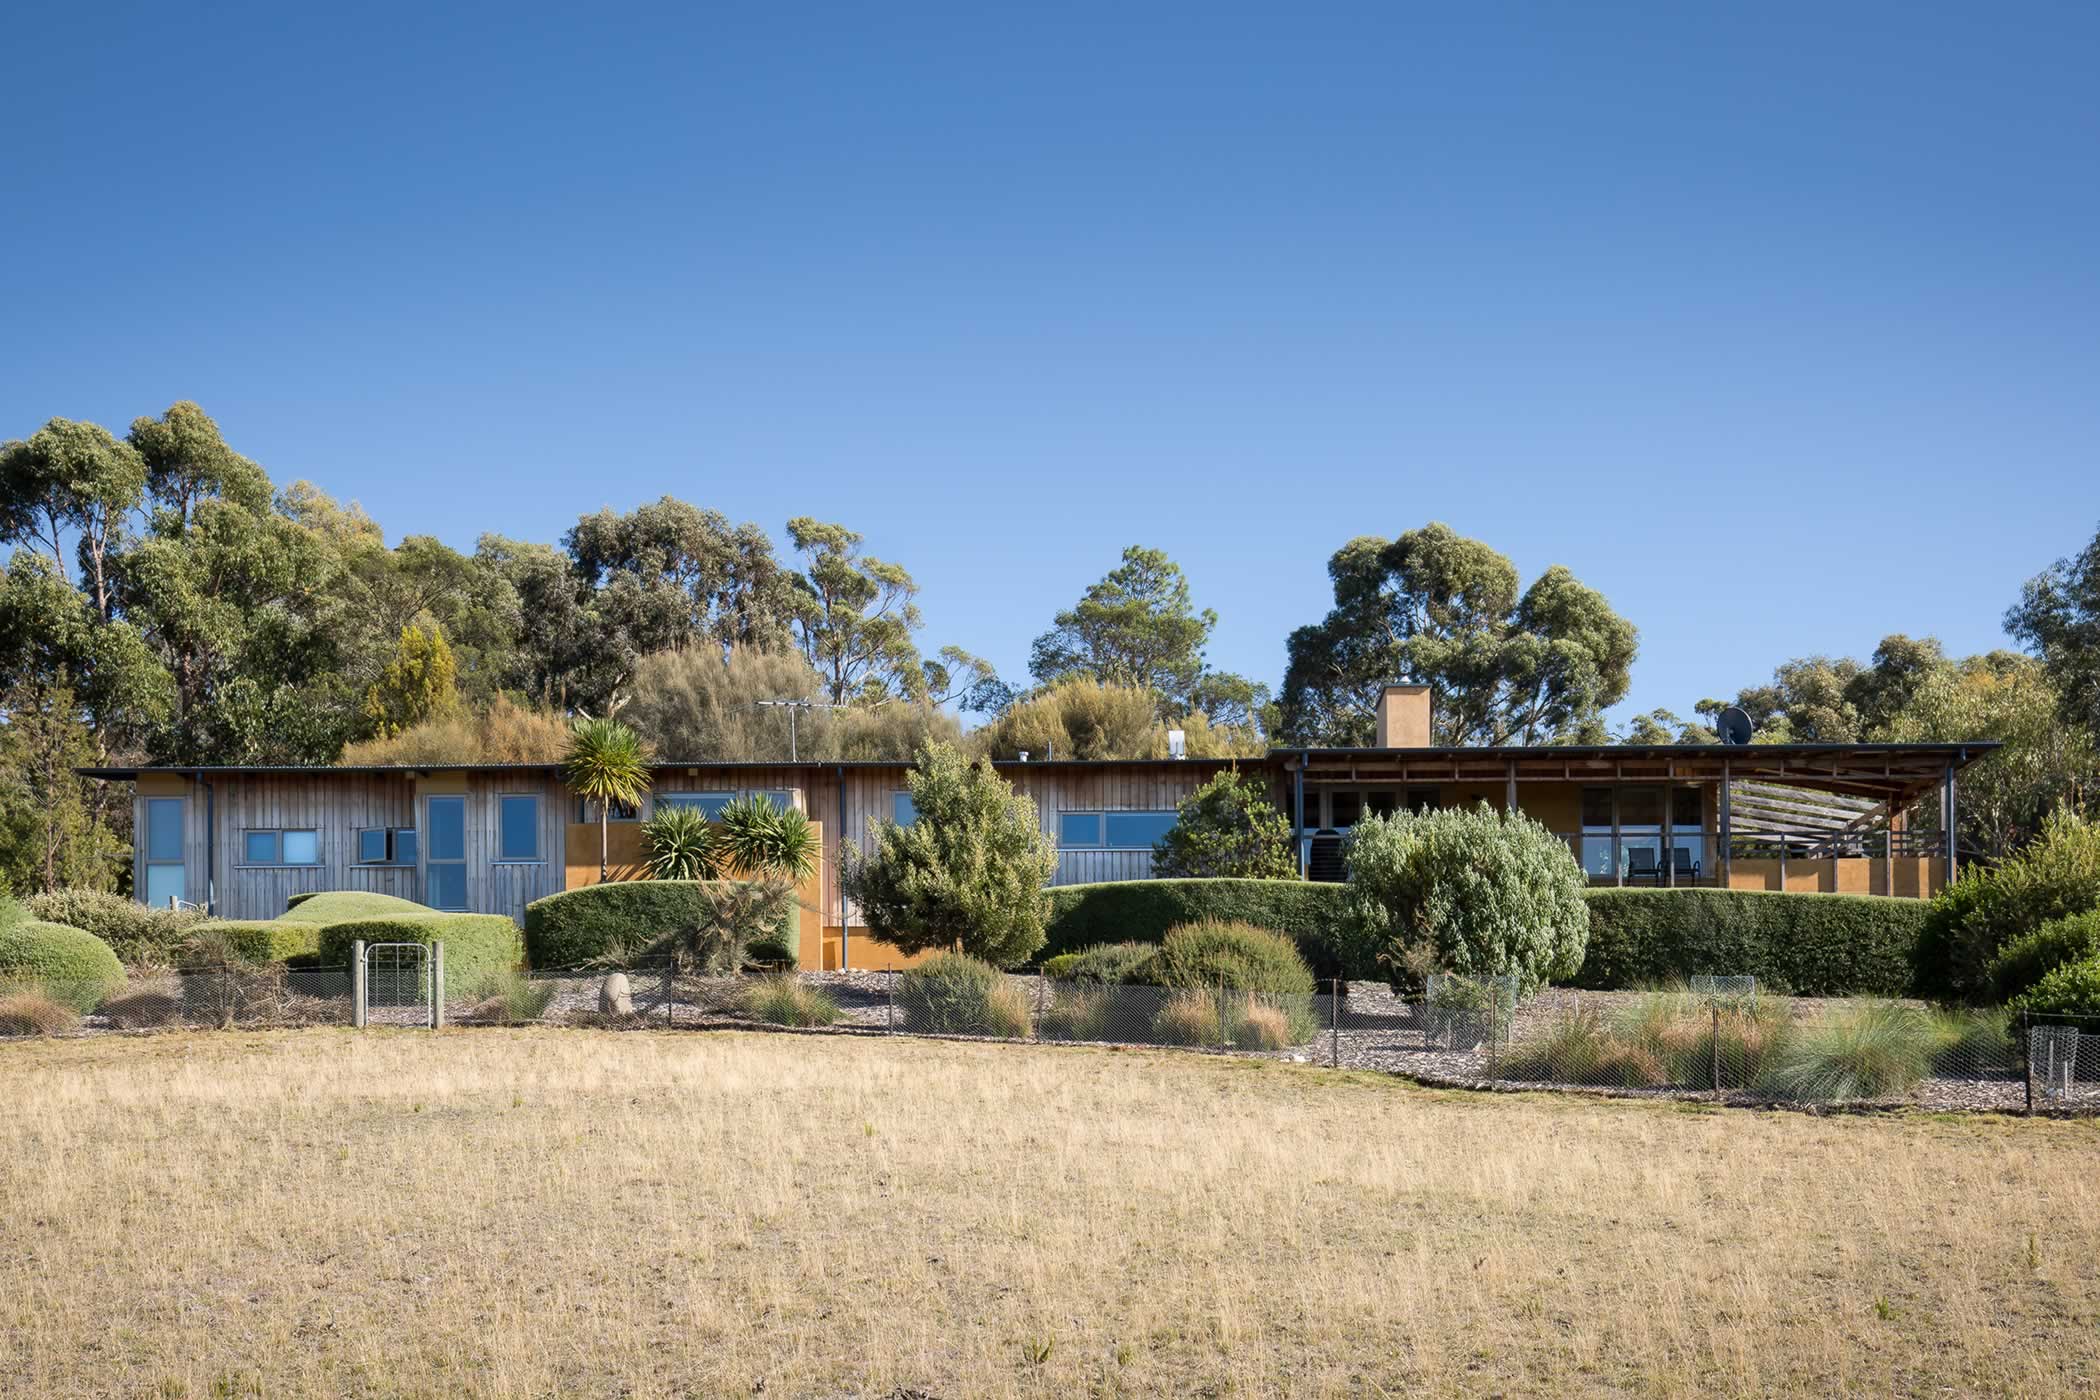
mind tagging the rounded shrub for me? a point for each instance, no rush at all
(626, 918)
(1113, 964)
(2029, 958)
(2071, 990)
(1232, 956)
(70, 966)
(951, 994)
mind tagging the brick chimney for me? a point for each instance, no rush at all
(1403, 717)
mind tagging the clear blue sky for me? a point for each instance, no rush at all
(1779, 324)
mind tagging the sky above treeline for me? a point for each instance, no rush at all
(1779, 325)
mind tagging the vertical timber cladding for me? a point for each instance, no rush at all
(496, 886)
(334, 806)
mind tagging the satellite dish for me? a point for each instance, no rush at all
(1735, 725)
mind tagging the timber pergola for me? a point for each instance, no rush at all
(1869, 785)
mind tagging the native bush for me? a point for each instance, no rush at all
(34, 1013)
(1189, 1018)
(1239, 957)
(954, 994)
(66, 964)
(140, 936)
(758, 840)
(1315, 916)
(2055, 876)
(1077, 1011)
(967, 874)
(1869, 1051)
(2071, 990)
(2034, 955)
(505, 996)
(788, 1001)
(678, 843)
(1228, 828)
(1114, 964)
(1809, 944)
(1478, 891)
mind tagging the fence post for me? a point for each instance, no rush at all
(358, 983)
(1716, 1005)
(437, 985)
(1334, 1016)
(1494, 1022)
(1042, 983)
(890, 1002)
(670, 997)
(2027, 1059)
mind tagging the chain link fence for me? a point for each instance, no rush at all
(1722, 1038)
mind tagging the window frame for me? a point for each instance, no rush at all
(539, 843)
(1101, 816)
(392, 843)
(903, 795)
(695, 799)
(277, 835)
(430, 863)
(178, 862)
(585, 817)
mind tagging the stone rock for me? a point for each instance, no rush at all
(616, 998)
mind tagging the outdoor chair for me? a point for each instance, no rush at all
(1641, 867)
(1686, 866)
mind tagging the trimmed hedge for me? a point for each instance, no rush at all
(295, 935)
(1807, 944)
(1313, 915)
(575, 927)
(476, 945)
(72, 967)
(261, 940)
(2027, 960)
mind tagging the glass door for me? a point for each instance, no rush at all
(445, 853)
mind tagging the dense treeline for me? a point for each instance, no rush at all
(164, 601)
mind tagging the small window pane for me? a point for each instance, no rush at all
(1079, 829)
(902, 812)
(163, 882)
(1684, 806)
(1134, 831)
(1343, 810)
(521, 829)
(405, 847)
(302, 848)
(448, 886)
(1640, 806)
(371, 847)
(448, 828)
(782, 801)
(164, 828)
(709, 803)
(260, 848)
(1596, 811)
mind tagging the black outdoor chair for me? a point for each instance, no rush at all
(1641, 867)
(1687, 868)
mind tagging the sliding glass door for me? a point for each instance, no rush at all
(445, 852)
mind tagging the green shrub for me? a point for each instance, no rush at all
(1314, 916)
(1059, 968)
(2034, 955)
(139, 935)
(1583, 1047)
(1810, 944)
(68, 965)
(506, 997)
(1228, 828)
(1115, 964)
(1863, 1052)
(2071, 990)
(1664, 1038)
(968, 873)
(333, 906)
(11, 911)
(1973, 1042)
(33, 1013)
(476, 945)
(2055, 876)
(1232, 956)
(1477, 891)
(789, 1001)
(627, 918)
(1076, 1012)
(952, 994)
(220, 942)
(770, 950)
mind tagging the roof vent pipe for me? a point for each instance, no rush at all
(1177, 744)
(1024, 755)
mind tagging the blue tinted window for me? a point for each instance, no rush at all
(447, 886)
(163, 828)
(782, 801)
(709, 803)
(902, 812)
(260, 848)
(301, 848)
(405, 847)
(1079, 829)
(1130, 831)
(163, 881)
(371, 847)
(520, 829)
(448, 828)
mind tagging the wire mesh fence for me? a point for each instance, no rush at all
(1717, 1038)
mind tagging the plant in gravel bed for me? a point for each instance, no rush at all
(1869, 1051)
(1111, 964)
(950, 994)
(141, 1010)
(507, 997)
(1972, 1043)
(788, 1001)
(1189, 1018)
(1077, 1012)
(30, 1012)
(1582, 1046)
(1692, 1037)
(1259, 1027)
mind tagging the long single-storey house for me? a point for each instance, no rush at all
(491, 838)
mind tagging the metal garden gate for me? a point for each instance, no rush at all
(397, 984)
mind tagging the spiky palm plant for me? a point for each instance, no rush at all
(606, 763)
(766, 842)
(680, 844)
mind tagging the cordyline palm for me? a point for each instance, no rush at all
(606, 763)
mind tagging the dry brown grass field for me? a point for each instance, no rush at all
(540, 1213)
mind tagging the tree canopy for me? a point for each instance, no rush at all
(1503, 666)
